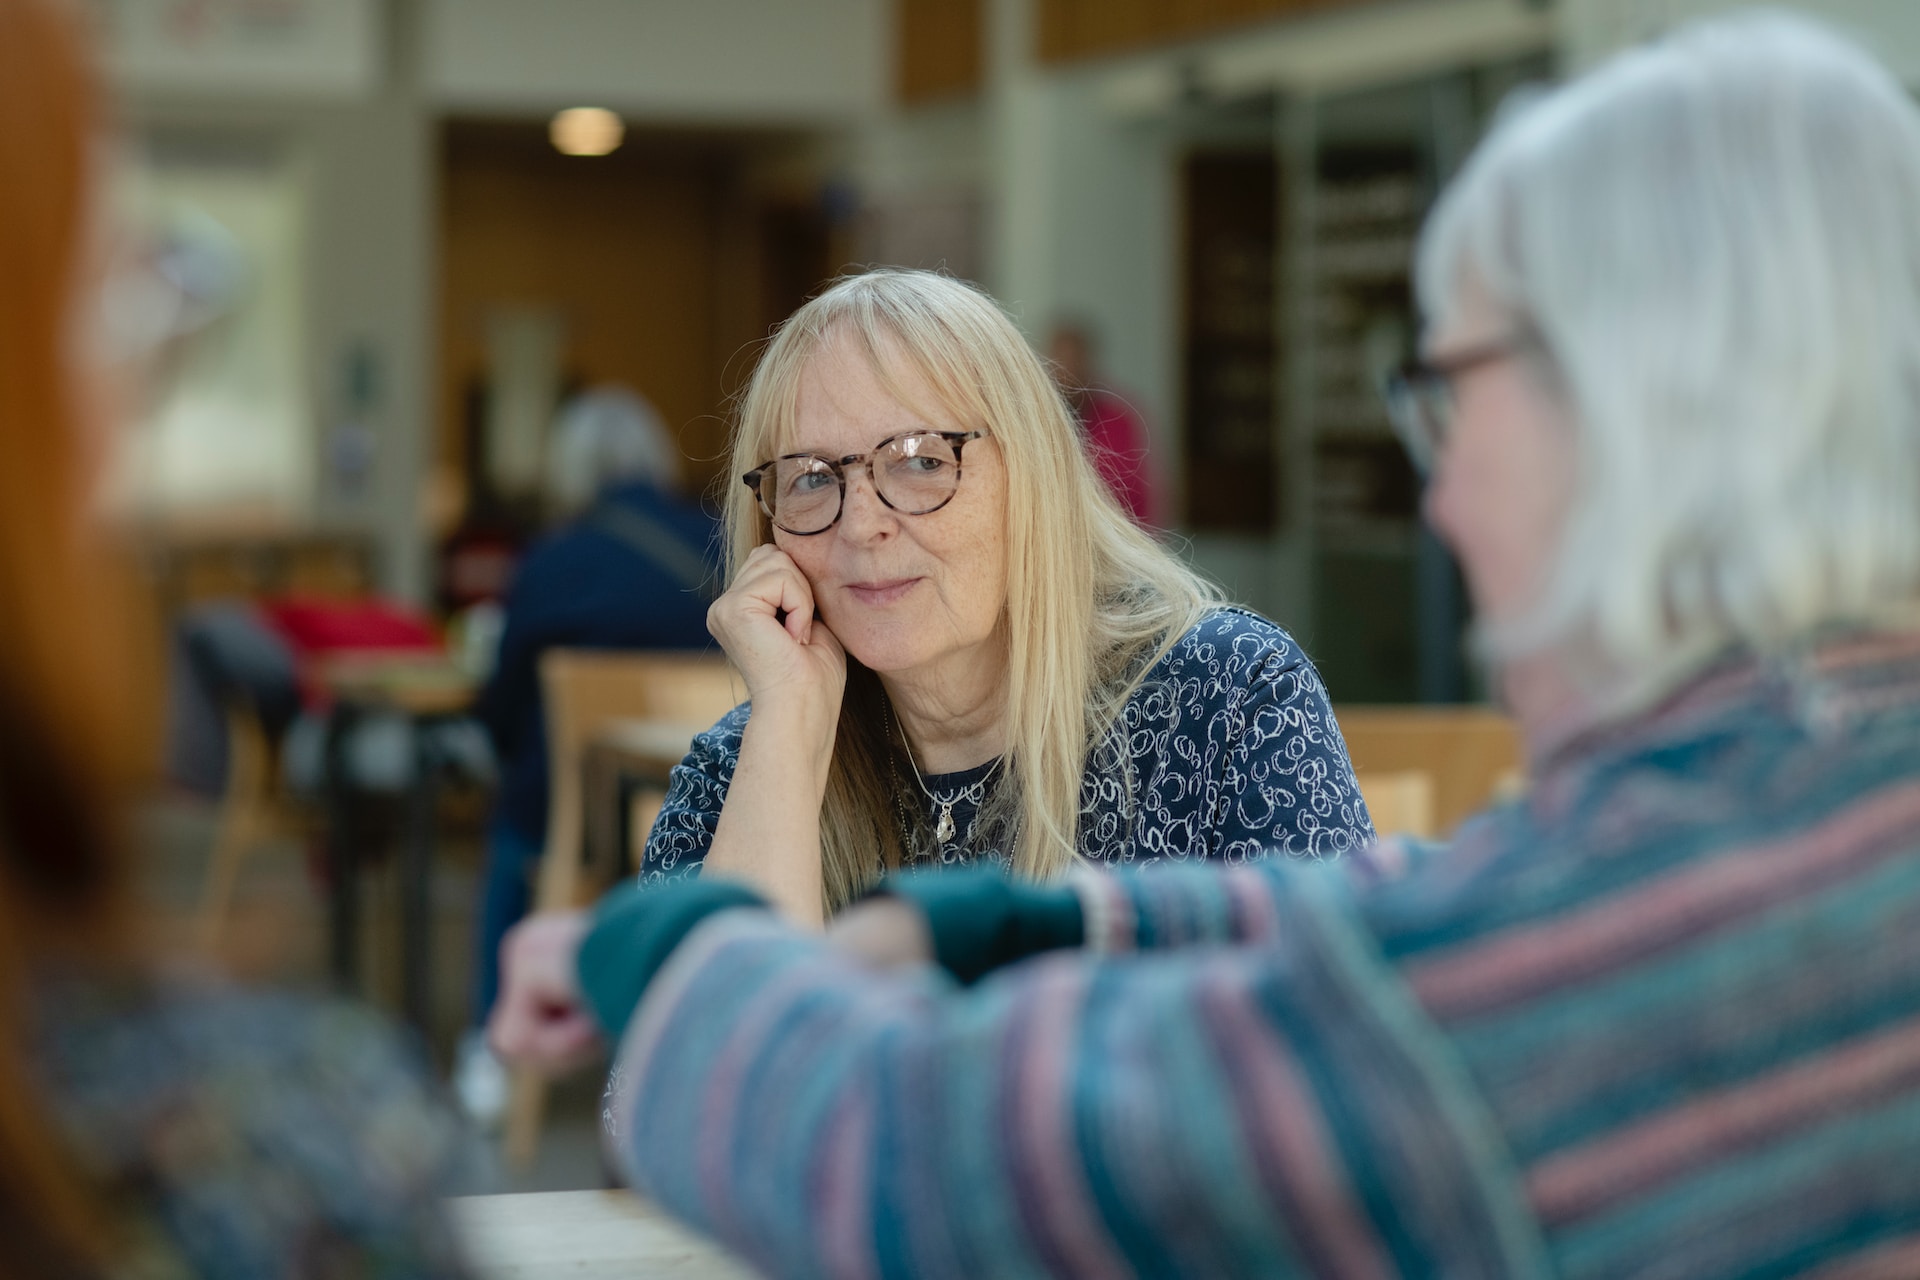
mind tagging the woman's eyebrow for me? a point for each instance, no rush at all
(915, 428)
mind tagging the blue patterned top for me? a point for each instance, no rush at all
(1227, 750)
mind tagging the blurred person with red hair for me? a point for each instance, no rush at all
(150, 1123)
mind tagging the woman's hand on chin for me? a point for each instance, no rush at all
(767, 624)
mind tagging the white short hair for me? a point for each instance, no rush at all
(603, 436)
(1716, 241)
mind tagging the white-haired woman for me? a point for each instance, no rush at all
(958, 648)
(1661, 1018)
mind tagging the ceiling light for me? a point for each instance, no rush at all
(586, 131)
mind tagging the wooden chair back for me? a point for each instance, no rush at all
(1401, 803)
(1471, 754)
(584, 690)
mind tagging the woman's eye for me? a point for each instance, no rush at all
(922, 465)
(810, 482)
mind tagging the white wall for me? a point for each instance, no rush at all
(1590, 29)
(919, 174)
(784, 61)
(370, 170)
(315, 48)
(937, 146)
(374, 252)
(1085, 227)
(1082, 219)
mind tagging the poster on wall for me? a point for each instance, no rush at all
(211, 301)
(301, 48)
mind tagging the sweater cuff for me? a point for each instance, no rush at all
(980, 920)
(635, 930)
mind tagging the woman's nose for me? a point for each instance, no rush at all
(863, 514)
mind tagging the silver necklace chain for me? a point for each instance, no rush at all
(976, 791)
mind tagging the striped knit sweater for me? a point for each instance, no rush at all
(1662, 1019)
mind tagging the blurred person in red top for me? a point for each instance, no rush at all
(151, 1123)
(1116, 435)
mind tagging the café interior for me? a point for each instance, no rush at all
(378, 248)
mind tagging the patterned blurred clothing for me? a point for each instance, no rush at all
(238, 1135)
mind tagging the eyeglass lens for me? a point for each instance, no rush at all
(913, 474)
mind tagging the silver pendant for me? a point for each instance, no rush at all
(943, 829)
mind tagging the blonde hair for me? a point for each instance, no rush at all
(1716, 239)
(1091, 600)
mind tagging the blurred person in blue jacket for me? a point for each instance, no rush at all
(631, 567)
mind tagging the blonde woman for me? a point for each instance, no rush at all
(957, 648)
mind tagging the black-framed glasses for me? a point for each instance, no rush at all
(915, 473)
(1419, 396)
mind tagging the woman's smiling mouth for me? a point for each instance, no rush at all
(881, 593)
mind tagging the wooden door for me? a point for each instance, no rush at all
(626, 249)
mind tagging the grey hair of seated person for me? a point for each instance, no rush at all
(603, 436)
(1715, 239)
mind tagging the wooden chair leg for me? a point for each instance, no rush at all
(237, 822)
(243, 819)
(526, 1109)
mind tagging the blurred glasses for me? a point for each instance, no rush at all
(1419, 396)
(914, 473)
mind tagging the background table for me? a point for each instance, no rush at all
(426, 688)
(420, 684)
(582, 1235)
